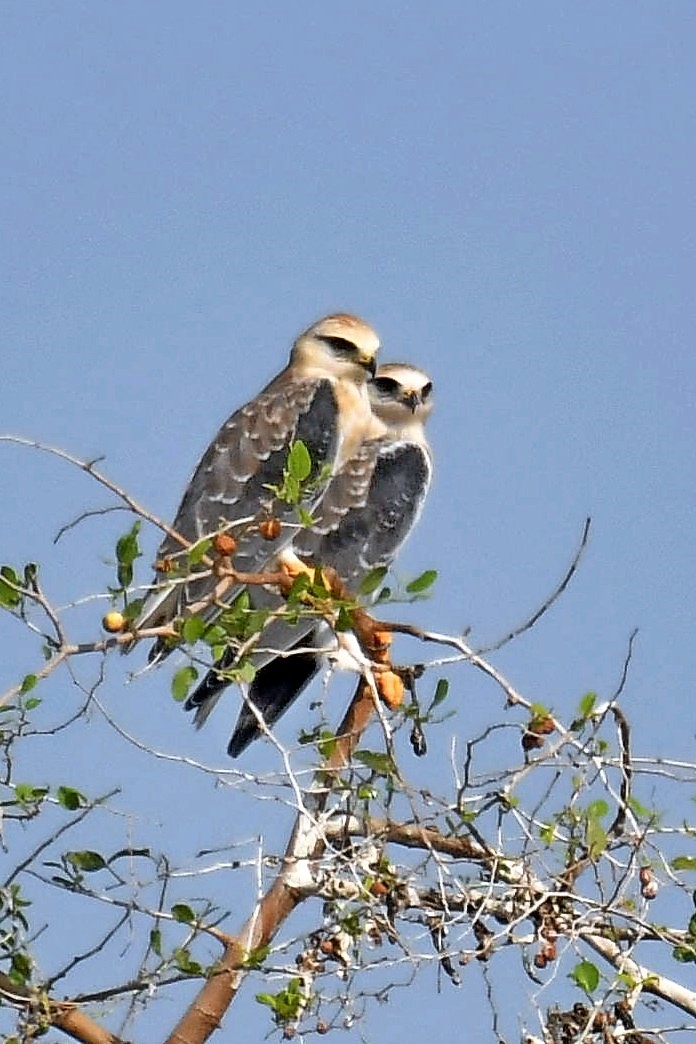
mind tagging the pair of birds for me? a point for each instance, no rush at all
(363, 427)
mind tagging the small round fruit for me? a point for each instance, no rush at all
(113, 622)
(224, 544)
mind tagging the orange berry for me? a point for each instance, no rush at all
(379, 888)
(113, 622)
(224, 544)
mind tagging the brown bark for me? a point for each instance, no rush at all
(207, 1010)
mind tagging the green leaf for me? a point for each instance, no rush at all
(199, 550)
(182, 682)
(287, 1004)
(127, 550)
(254, 620)
(640, 810)
(87, 861)
(586, 705)
(371, 582)
(255, 958)
(26, 794)
(32, 703)
(441, 690)
(28, 683)
(266, 998)
(684, 863)
(156, 941)
(185, 963)
(300, 585)
(380, 763)
(9, 598)
(192, 629)
(70, 798)
(586, 976)
(215, 635)
(131, 612)
(547, 833)
(299, 461)
(326, 744)
(245, 672)
(597, 809)
(183, 913)
(20, 968)
(422, 582)
(684, 954)
(596, 838)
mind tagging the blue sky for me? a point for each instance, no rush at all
(504, 190)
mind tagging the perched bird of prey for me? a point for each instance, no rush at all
(364, 517)
(319, 398)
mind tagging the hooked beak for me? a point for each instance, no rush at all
(412, 400)
(369, 364)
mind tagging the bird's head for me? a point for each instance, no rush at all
(337, 346)
(401, 395)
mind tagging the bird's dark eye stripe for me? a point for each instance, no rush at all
(339, 344)
(387, 385)
(427, 389)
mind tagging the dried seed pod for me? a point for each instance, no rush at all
(269, 528)
(531, 741)
(391, 689)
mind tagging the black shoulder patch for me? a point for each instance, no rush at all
(371, 535)
(318, 426)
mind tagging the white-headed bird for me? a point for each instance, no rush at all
(320, 399)
(364, 517)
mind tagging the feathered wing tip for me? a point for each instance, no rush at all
(274, 689)
(205, 696)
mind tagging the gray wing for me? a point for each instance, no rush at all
(366, 514)
(369, 509)
(230, 482)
